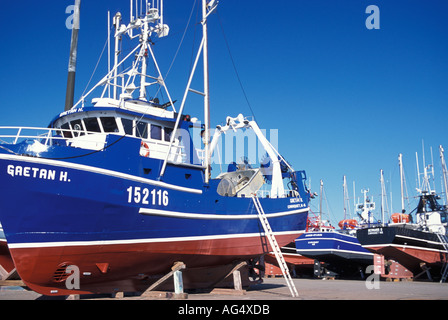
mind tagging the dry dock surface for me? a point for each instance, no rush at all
(309, 289)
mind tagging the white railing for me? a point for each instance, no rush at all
(158, 150)
(51, 136)
(201, 155)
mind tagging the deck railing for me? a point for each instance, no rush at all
(50, 136)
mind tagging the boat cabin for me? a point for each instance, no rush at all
(88, 127)
(430, 214)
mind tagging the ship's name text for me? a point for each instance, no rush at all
(37, 173)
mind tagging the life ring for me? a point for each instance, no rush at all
(144, 150)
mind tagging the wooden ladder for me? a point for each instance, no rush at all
(275, 247)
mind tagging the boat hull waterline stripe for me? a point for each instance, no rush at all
(327, 239)
(107, 172)
(401, 246)
(137, 241)
(173, 214)
(334, 250)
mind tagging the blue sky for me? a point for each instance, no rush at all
(346, 100)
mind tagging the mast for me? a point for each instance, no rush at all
(320, 205)
(144, 55)
(206, 93)
(418, 172)
(117, 23)
(346, 200)
(345, 191)
(207, 9)
(400, 163)
(444, 173)
(383, 195)
(70, 92)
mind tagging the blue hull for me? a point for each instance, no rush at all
(92, 206)
(63, 206)
(341, 251)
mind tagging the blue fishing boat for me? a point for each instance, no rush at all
(336, 252)
(341, 253)
(119, 187)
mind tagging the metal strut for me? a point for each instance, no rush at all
(275, 247)
(444, 240)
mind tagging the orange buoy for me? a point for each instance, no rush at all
(400, 218)
(348, 224)
(144, 150)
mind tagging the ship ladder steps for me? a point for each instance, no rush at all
(275, 247)
(444, 240)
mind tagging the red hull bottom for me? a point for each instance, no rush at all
(5, 258)
(130, 267)
(298, 264)
(411, 257)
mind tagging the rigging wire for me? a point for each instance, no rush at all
(142, 116)
(182, 40)
(94, 70)
(234, 65)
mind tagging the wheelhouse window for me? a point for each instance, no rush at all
(92, 125)
(66, 134)
(109, 124)
(128, 126)
(156, 132)
(167, 134)
(141, 130)
(77, 127)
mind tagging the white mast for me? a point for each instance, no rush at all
(108, 48)
(206, 10)
(444, 173)
(206, 93)
(346, 200)
(418, 172)
(320, 205)
(400, 163)
(344, 190)
(383, 193)
(144, 55)
(117, 23)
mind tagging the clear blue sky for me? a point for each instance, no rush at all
(346, 100)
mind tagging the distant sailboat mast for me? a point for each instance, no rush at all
(346, 199)
(383, 195)
(444, 173)
(320, 205)
(400, 162)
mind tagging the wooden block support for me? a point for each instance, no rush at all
(176, 273)
(237, 283)
(237, 280)
(12, 283)
(178, 282)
